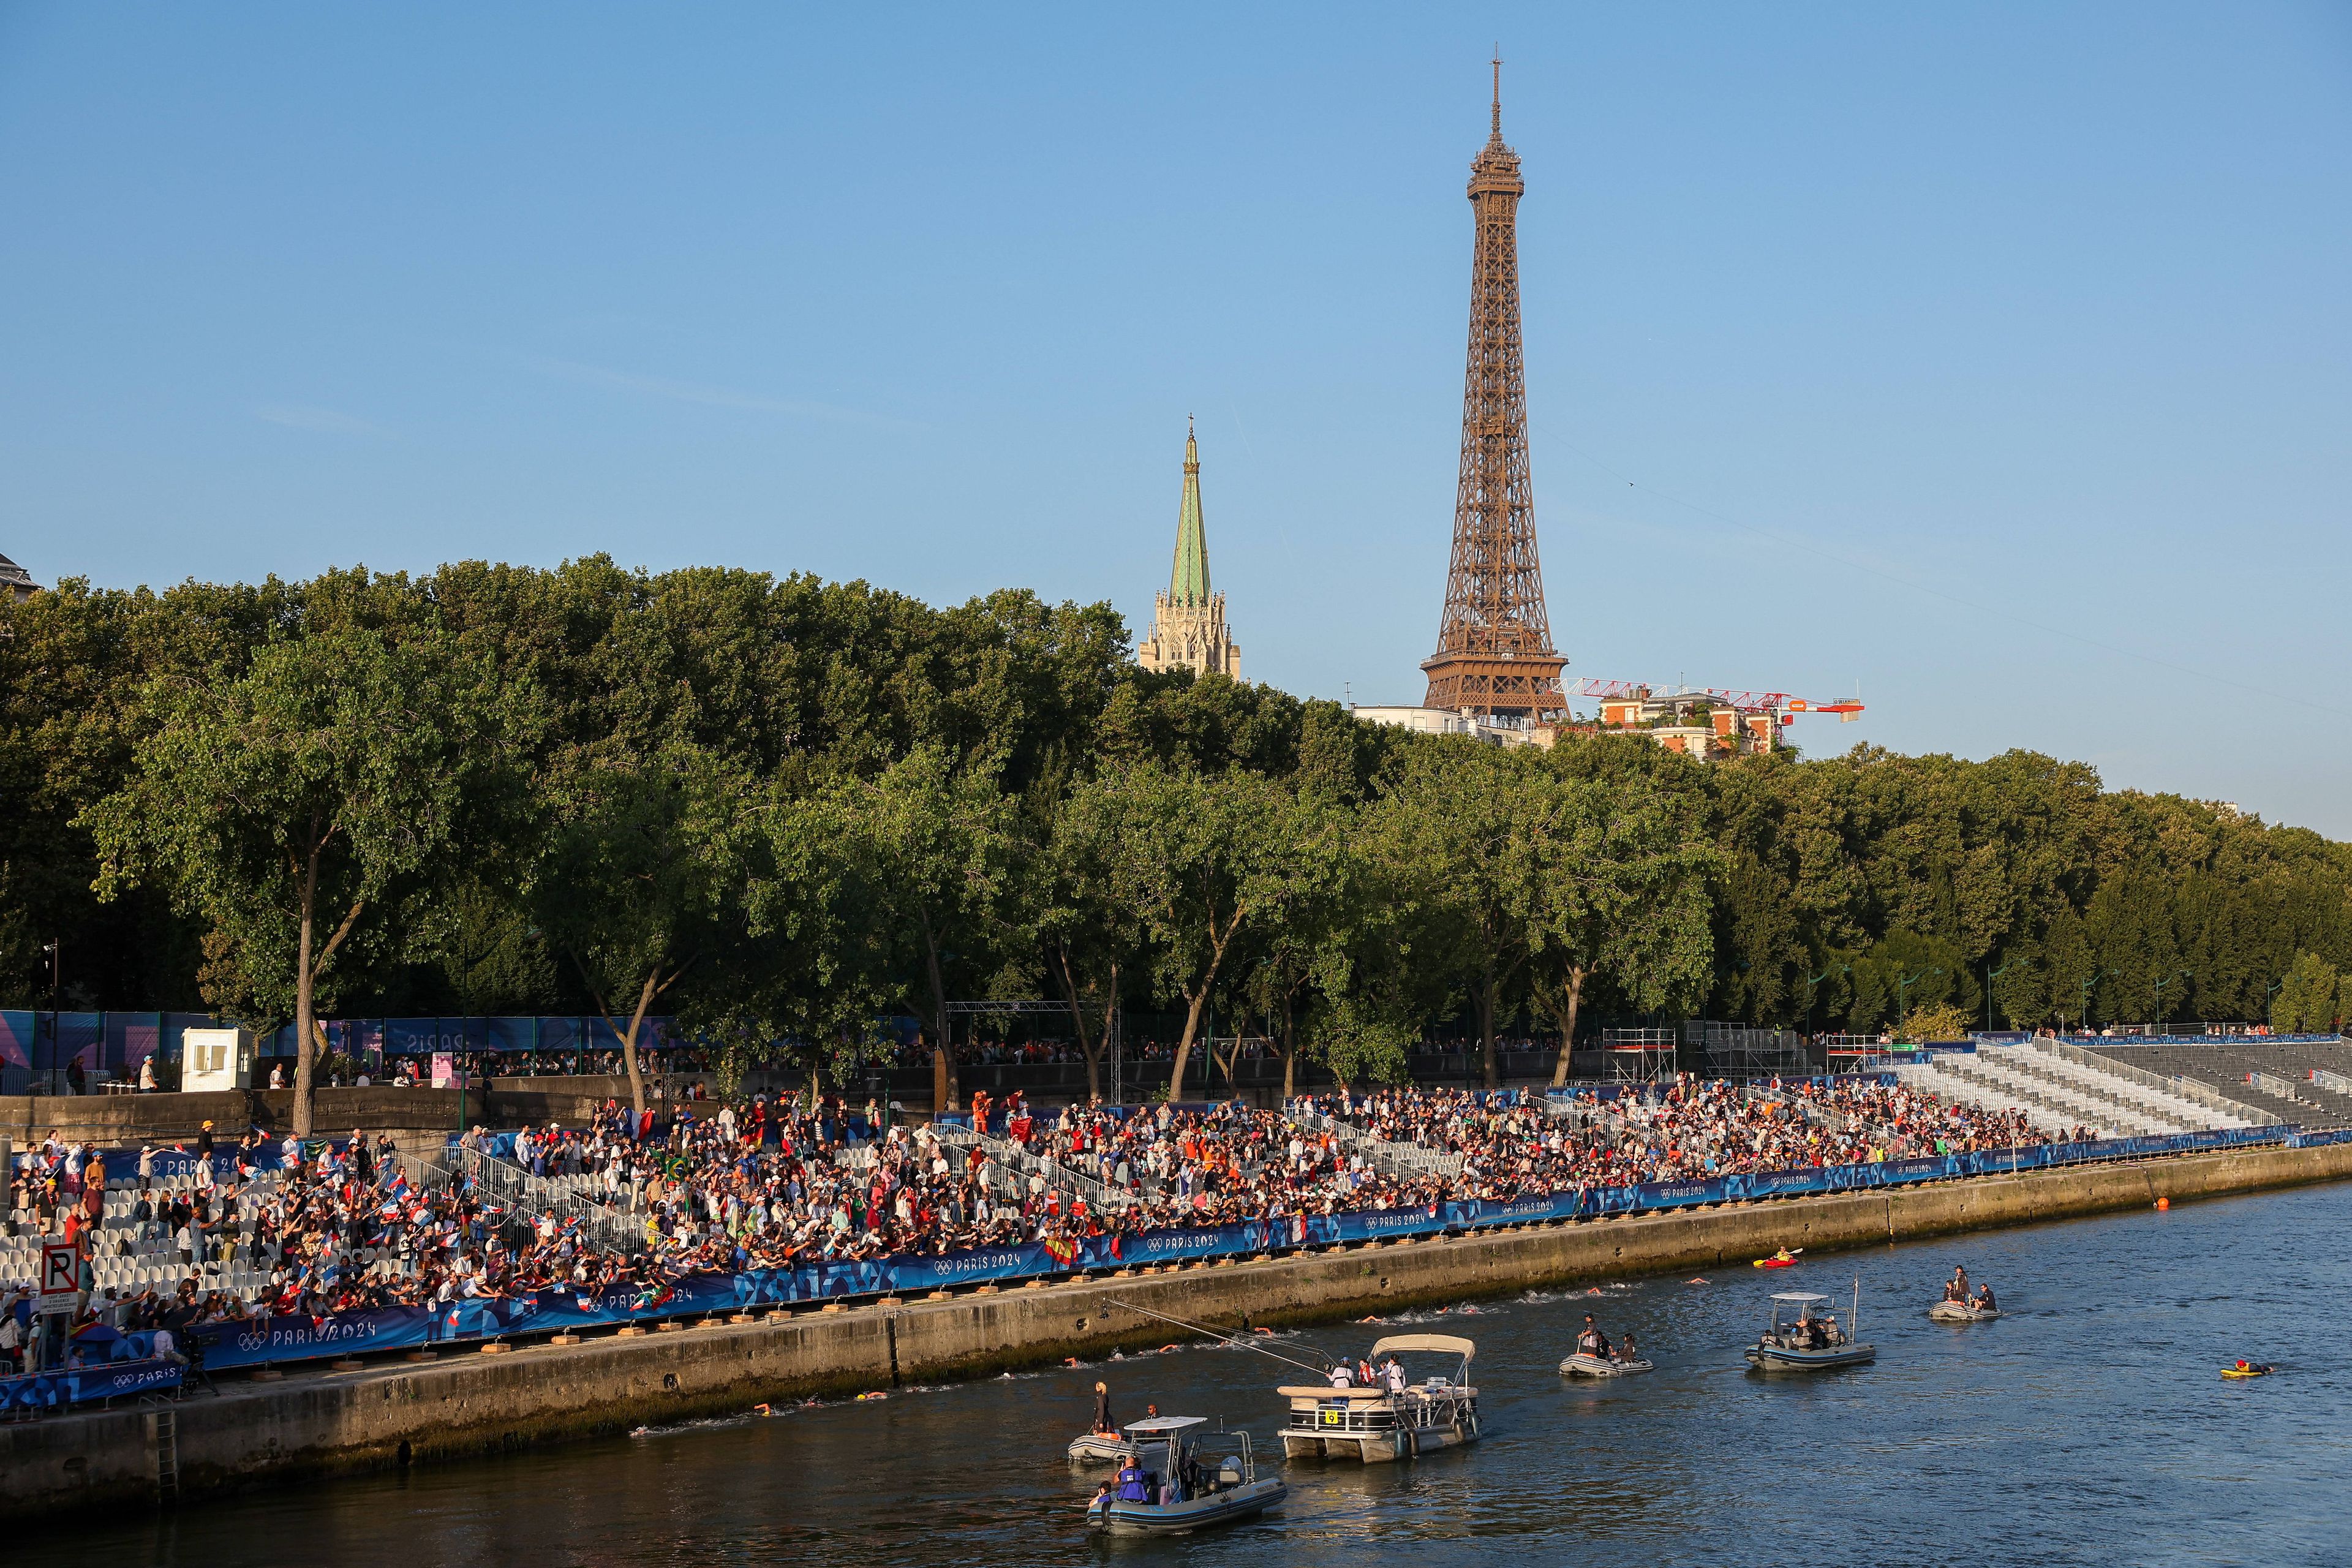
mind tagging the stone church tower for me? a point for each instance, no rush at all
(1187, 623)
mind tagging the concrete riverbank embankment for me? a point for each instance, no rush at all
(396, 1412)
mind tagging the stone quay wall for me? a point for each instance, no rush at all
(394, 1412)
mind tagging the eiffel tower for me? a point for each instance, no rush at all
(1494, 646)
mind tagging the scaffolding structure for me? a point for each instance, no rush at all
(1737, 1051)
(1638, 1056)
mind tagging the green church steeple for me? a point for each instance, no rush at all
(1188, 584)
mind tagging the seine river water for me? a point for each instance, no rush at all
(2088, 1426)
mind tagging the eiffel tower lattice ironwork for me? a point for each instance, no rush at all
(1494, 647)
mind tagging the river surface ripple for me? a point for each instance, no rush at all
(2088, 1426)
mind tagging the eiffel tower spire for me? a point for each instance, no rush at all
(1494, 643)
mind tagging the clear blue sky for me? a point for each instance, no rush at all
(1998, 359)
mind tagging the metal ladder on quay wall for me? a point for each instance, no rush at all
(163, 1441)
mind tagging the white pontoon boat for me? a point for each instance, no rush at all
(1376, 1425)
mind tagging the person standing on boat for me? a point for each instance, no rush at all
(1104, 1425)
(1393, 1375)
(1342, 1377)
(1591, 1341)
(1958, 1291)
(1134, 1485)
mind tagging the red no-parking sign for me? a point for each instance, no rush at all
(60, 1278)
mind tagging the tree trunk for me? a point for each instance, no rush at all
(305, 989)
(629, 1044)
(1110, 1016)
(1289, 1052)
(1566, 1011)
(1090, 1049)
(943, 1063)
(1483, 996)
(1197, 1002)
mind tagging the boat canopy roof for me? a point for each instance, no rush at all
(1167, 1426)
(1797, 1296)
(1446, 1342)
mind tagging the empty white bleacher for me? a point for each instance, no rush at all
(2201, 1101)
(2060, 1109)
(2130, 1107)
(2093, 1102)
(2180, 1113)
(1936, 1076)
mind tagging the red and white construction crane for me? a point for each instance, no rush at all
(1779, 705)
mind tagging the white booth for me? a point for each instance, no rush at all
(215, 1059)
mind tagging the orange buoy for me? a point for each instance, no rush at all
(2162, 1204)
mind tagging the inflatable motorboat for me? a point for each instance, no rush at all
(1583, 1364)
(1804, 1342)
(1099, 1448)
(1961, 1312)
(1185, 1489)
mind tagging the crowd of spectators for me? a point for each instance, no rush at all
(1692, 1129)
(724, 1186)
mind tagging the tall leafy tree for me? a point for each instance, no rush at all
(1087, 937)
(678, 879)
(940, 841)
(1622, 893)
(1197, 857)
(2307, 1000)
(296, 808)
(1468, 831)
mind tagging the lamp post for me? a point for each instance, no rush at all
(2159, 992)
(1992, 974)
(1816, 980)
(1904, 982)
(2083, 1013)
(50, 950)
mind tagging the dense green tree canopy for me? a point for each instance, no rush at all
(791, 807)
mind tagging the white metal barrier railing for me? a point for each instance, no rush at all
(607, 1224)
(1402, 1161)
